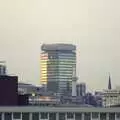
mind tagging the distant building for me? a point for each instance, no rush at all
(57, 61)
(99, 98)
(90, 99)
(25, 88)
(81, 89)
(111, 97)
(2, 68)
(43, 100)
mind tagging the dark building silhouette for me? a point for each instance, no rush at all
(8, 90)
(23, 100)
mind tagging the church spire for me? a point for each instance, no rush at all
(109, 83)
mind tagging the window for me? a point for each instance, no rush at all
(52, 116)
(8, 116)
(95, 115)
(61, 116)
(102, 116)
(17, 115)
(111, 116)
(117, 115)
(25, 116)
(78, 116)
(70, 115)
(44, 115)
(87, 116)
(35, 116)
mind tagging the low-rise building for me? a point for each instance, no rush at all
(111, 97)
(59, 113)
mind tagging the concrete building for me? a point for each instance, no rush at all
(59, 113)
(81, 89)
(57, 61)
(111, 97)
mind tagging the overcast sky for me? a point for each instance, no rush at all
(93, 25)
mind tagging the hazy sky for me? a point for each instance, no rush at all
(93, 25)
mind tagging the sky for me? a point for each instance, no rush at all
(92, 25)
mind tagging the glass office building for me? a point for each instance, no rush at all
(57, 62)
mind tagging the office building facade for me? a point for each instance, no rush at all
(57, 62)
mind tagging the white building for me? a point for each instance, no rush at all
(111, 97)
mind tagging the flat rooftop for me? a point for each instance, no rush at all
(57, 109)
(61, 47)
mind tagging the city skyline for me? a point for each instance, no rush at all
(93, 26)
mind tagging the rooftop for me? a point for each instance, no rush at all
(57, 109)
(59, 46)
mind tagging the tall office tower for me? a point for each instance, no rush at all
(57, 61)
(81, 89)
(2, 68)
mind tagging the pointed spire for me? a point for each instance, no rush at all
(109, 83)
